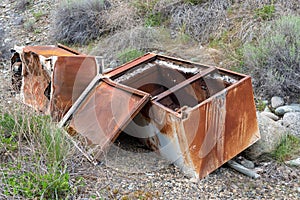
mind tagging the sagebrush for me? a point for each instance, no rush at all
(274, 61)
(202, 21)
(80, 21)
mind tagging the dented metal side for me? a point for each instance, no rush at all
(71, 75)
(196, 116)
(104, 113)
(51, 78)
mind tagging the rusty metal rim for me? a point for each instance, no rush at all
(145, 96)
(184, 61)
(208, 99)
(123, 68)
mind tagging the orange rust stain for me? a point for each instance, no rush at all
(35, 82)
(241, 122)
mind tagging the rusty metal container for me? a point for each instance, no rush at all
(50, 78)
(196, 116)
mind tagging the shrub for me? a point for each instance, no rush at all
(274, 62)
(266, 12)
(195, 2)
(149, 10)
(203, 21)
(22, 5)
(80, 21)
(288, 147)
(129, 54)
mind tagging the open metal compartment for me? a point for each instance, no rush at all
(198, 121)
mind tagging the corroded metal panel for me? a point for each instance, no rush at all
(71, 75)
(35, 81)
(194, 115)
(227, 125)
(200, 123)
(106, 111)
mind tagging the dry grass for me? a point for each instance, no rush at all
(123, 16)
(138, 38)
(203, 22)
(4, 47)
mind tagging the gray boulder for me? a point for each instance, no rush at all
(270, 115)
(291, 121)
(271, 135)
(285, 109)
(276, 102)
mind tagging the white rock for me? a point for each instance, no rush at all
(270, 115)
(271, 134)
(276, 102)
(291, 121)
(295, 162)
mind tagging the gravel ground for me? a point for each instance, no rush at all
(131, 171)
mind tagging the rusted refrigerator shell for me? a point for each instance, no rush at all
(50, 78)
(194, 115)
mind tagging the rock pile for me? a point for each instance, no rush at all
(276, 121)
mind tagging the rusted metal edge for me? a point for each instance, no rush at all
(218, 93)
(125, 87)
(184, 61)
(145, 98)
(89, 88)
(183, 84)
(129, 65)
(68, 49)
(80, 99)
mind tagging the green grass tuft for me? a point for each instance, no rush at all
(289, 147)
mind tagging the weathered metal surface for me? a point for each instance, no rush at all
(199, 116)
(105, 112)
(200, 123)
(196, 116)
(35, 81)
(71, 75)
(50, 78)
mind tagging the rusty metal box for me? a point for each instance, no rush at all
(196, 116)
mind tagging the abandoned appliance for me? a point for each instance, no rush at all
(196, 116)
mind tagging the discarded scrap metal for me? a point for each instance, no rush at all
(196, 116)
(51, 78)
